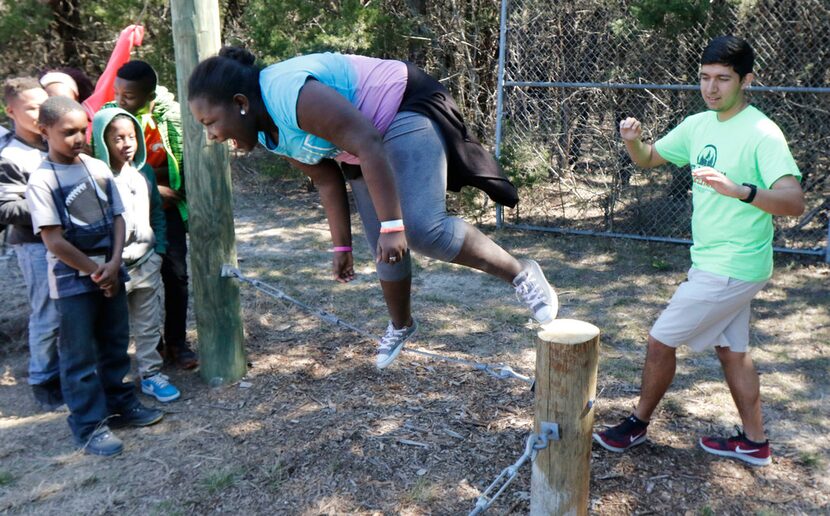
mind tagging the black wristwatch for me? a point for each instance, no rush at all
(752, 191)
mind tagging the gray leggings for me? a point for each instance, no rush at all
(415, 149)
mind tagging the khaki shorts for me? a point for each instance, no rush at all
(708, 310)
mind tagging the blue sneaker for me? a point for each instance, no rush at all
(159, 386)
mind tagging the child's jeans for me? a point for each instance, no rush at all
(94, 335)
(44, 319)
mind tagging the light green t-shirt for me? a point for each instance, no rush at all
(731, 237)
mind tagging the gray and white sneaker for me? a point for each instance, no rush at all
(391, 343)
(103, 442)
(535, 292)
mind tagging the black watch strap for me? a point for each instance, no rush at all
(752, 191)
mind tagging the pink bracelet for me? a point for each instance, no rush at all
(342, 249)
(396, 229)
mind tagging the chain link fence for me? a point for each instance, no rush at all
(570, 71)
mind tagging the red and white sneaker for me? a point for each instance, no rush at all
(627, 434)
(738, 447)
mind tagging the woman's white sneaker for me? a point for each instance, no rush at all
(535, 292)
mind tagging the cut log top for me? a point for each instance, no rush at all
(568, 331)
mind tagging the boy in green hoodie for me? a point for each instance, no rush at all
(119, 142)
(137, 91)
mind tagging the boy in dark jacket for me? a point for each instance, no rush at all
(137, 92)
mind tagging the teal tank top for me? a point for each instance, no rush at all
(281, 84)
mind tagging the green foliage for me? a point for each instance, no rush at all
(471, 203)
(218, 481)
(20, 21)
(166, 508)
(672, 16)
(286, 28)
(278, 169)
(423, 491)
(6, 478)
(110, 17)
(21, 25)
(30, 42)
(812, 460)
(660, 264)
(274, 475)
(525, 162)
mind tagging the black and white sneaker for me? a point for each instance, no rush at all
(138, 415)
(631, 432)
(48, 395)
(391, 343)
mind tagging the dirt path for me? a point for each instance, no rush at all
(320, 431)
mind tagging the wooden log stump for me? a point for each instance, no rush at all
(212, 242)
(567, 352)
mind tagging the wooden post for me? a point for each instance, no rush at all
(208, 178)
(567, 352)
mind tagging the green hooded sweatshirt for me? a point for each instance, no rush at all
(143, 232)
(167, 117)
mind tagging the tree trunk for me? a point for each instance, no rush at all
(212, 243)
(67, 25)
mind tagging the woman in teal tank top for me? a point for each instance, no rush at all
(304, 109)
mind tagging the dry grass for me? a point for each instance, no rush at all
(320, 431)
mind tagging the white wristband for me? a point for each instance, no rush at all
(391, 224)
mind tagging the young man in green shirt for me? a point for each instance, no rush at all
(743, 174)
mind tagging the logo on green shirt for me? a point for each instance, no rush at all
(708, 156)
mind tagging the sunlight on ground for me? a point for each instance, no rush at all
(600, 262)
(45, 490)
(788, 387)
(265, 320)
(8, 379)
(528, 356)
(306, 409)
(384, 426)
(7, 423)
(458, 330)
(336, 504)
(277, 239)
(244, 428)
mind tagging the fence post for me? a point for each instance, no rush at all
(196, 36)
(500, 96)
(567, 352)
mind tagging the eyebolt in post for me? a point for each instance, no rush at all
(229, 271)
